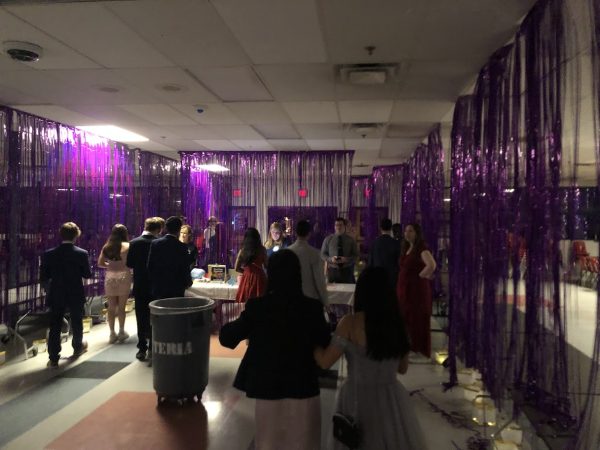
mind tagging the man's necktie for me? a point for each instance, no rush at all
(340, 246)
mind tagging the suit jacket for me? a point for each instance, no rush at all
(283, 333)
(62, 271)
(313, 274)
(137, 259)
(386, 253)
(168, 267)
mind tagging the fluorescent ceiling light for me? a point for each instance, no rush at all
(211, 168)
(114, 133)
(446, 199)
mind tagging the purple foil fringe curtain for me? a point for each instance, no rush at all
(423, 196)
(51, 173)
(256, 182)
(515, 197)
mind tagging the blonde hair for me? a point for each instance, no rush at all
(270, 243)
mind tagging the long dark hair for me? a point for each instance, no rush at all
(285, 284)
(284, 274)
(251, 246)
(419, 245)
(384, 327)
(112, 248)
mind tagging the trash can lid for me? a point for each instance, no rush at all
(181, 305)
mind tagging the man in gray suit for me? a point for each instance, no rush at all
(311, 264)
(340, 252)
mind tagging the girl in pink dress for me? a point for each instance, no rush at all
(117, 283)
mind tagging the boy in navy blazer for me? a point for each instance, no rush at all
(61, 274)
(137, 259)
(169, 263)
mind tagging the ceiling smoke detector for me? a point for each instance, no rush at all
(22, 51)
(368, 74)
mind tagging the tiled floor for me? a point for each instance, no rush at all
(105, 400)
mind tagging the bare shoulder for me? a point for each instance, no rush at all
(347, 323)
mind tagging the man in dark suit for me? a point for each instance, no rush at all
(61, 274)
(385, 252)
(169, 264)
(137, 259)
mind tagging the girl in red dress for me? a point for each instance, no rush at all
(251, 263)
(414, 288)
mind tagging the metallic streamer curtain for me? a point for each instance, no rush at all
(423, 189)
(515, 190)
(159, 187)
(387, 189)
(262, 179)
(589, 433)
(52, 173)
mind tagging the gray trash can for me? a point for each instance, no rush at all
(180, 347)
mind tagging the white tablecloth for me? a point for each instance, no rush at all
(339, 294)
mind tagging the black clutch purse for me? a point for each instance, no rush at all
(346, 430)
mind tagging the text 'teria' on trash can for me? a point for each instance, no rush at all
(181, 346)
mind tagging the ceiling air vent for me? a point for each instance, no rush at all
(363, 129)
(368, 74)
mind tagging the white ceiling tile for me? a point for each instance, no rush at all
(365, 111)
(85, 86)
(288, 144)
(362, 144)
(399, 148)
(34, 83)
(275, 31)
(233, 84)
(182, 144)
(320, 130)
(190, 32)
(84, 27)
(156, 147)
(55, 54)
(490, 25)
(11, 96)
(325, 144)
(217, 144)
(242, 132)
(392, 27)
(346, 91)
(158, 114)
(277, 131)
(59, 114)
(252, 144)
(312, 112)
(161, 82)
(299, 82)
(409, 129)
(212, 113)
(113, 115)
(420, 110)
(193, 132)
(259, 112)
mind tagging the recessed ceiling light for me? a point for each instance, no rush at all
(171, 87)
(109, 89)
(114, 133)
